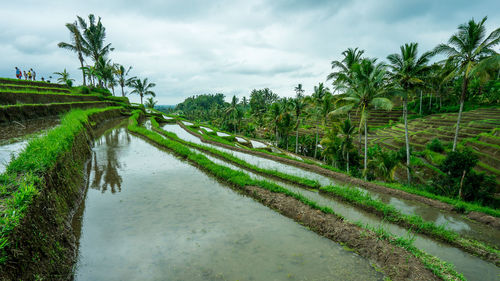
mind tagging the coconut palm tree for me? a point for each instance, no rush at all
(94, 35)
(408, 71)
(316, 101)
(64, 78)
(471, 52)
(142, 88)
(76, 45)
(150, 103)
(121, 74)
(232, 110)
(298, 106)
(346, 129)
(367, 89)
(343, 68)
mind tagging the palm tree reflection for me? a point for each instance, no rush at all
(105, 163)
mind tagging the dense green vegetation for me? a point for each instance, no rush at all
(362, 88)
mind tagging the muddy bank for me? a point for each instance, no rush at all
(42, 98)
(394, 261)
(42, 246)
(483, 218)
(32, 111)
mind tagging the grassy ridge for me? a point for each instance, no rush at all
(298, 180)
(458, 205)
(240, 179)
(354, 197)
(19, 184)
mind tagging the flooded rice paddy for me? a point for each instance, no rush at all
(149, 216)
(472, 267)
(449, 220)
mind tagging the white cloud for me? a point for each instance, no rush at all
(194, 47)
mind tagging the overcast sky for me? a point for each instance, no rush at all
(232, 47)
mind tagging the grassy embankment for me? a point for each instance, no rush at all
(458, 205)
(240, 179)
(357, 198)
(27, 186)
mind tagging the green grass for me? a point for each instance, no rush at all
(19, 184)
(45, 93)
(240, 179)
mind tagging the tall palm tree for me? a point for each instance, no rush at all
(298, 106)
(367, 89)
(316, 101)
(94, 34)
(470, 52)
(346, 129)
(76, 45)
(342, 69)
(407, 71)
(142, 88)
(121, 74)
(232, 110)
(150, 102)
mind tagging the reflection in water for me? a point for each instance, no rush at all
(105, 173)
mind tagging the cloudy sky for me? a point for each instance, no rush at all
(193, 47)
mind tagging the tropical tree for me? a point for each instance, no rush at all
(342, 69)
(367, 89)
(471, 52)
(232, 110)
(408, 71)
(150, 103)
(94, 34)
(76, 45)
(346, 129)
(142, 87)
(121, 74)
(64, 78)
(316, 101)
(298, 106)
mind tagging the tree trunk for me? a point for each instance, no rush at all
(316, 146)
(123, 93)
(407, 140)
(359, 141)
(430, 103)
(83, 72)
(297, 137)
(141, 99)
(420, 111)
(462, 100)
(461, 185)
(366, 150)
(113, 89)
(348, 161)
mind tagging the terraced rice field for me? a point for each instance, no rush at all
(479, 130)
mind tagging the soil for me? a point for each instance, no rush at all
(32, 98)
(395, 262)
(25, 112)
(32, 83)
(348, 180)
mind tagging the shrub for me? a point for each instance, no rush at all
(435, 145)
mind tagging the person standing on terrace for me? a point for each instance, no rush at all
(19, 75)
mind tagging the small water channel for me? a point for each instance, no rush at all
(149, 216)
(449, 220)
(472, 267)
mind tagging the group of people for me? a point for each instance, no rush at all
(30, 75)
